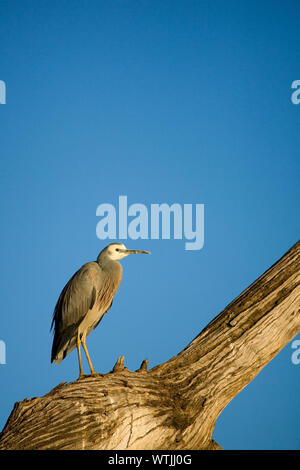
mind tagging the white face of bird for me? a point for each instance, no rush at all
(117, 251)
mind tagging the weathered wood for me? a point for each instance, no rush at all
(174, 405)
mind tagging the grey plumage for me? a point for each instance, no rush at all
(84, 300)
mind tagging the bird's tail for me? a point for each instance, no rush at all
(62, 347)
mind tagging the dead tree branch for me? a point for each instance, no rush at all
(174, 405)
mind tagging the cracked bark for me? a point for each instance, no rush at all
(174, 405)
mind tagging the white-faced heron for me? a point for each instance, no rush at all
(84, 300)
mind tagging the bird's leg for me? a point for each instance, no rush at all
(87, 354)
(79, 356)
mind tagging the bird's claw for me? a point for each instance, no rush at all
(96, 374)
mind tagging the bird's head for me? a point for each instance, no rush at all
(117, 251)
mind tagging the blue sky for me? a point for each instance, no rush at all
(173, 101)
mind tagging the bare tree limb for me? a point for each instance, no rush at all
(174, 405)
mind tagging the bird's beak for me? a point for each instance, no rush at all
(131, 252)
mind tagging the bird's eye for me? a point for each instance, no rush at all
(117, 249)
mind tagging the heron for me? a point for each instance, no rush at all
(86, 297)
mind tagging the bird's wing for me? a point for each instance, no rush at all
(76, 299)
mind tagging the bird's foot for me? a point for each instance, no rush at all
(96, 374)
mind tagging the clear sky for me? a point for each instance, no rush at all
(173, 101)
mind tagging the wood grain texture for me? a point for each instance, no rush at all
(174, 405)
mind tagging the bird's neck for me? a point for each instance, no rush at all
(109, 265)
(112, 271)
